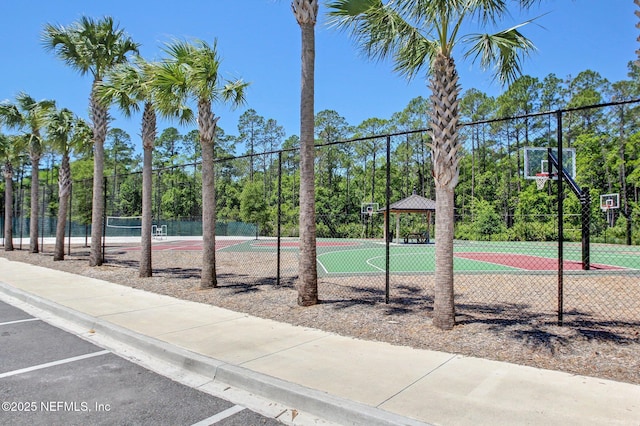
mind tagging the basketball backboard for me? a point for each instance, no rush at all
(535, 162)
(369, 208)
(609, 201)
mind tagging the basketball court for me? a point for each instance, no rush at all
(365, 256)
(368, 256)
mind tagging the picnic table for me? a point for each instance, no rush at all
(419, 237)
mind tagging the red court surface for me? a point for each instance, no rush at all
(530, 263)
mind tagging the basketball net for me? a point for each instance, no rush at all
(370, 212)
(541, 180)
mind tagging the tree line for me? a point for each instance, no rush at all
(493, 200)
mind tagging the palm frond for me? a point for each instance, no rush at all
(59, 128)
(377, 28)
(89, 45)
(353, 8)
(503, 51)
(81, 141)
(488, 11)
(234, 92)
(34, 113)
(171, 90)
(205, 70)
(416, 53)
(10, 115)
(12, 147)
(124, 85)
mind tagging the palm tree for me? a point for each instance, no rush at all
(128, 85)
(66, 133)
(191, 72)
(92, 46)
(306, 13)
(29, 115)
(11, 148)
(421, 35)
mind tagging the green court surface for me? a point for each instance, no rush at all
(345, 256)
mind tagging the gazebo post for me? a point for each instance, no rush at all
(397, 227)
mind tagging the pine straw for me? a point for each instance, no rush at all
(511, 326)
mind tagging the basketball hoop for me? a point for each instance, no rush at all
(369, 209)
(541, 180)
(606, 204)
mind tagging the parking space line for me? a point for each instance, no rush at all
(220, 416)
(53, 363)
(19, 321)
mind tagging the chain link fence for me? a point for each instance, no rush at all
(523, 252)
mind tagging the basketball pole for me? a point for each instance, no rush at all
(585, 202)
(560, 217)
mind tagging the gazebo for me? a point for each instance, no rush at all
(412, 204)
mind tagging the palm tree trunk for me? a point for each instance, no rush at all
(33, 223)
(443, 303)
(307, 284)
(444, 123)
(145, 269)
(64, 185)
(626, 208)
(99, 115)
(148, 137)
(207, 126)
(8, 207)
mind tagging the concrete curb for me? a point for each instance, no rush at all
(309, 400)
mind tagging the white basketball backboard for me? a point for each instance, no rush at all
(535, 162)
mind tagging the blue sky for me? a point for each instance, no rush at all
(259, 41)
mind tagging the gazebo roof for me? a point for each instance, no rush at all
(413, 203)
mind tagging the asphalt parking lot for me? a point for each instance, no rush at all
(49, 376)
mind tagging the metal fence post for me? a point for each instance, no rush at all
(387, 220)
(279, 219)
(42, 216)
(585, 203)
(560, 222)
(70, 216)
(104, 215)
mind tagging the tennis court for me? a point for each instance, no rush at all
(361, 257)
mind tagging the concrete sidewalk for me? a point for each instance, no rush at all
(341, 379)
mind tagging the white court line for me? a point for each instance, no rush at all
(19, 321)
(52, 364)
(220, 416)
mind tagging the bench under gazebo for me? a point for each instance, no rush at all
(412, 204)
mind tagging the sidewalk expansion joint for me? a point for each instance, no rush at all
(427, 374)
(282, 350)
